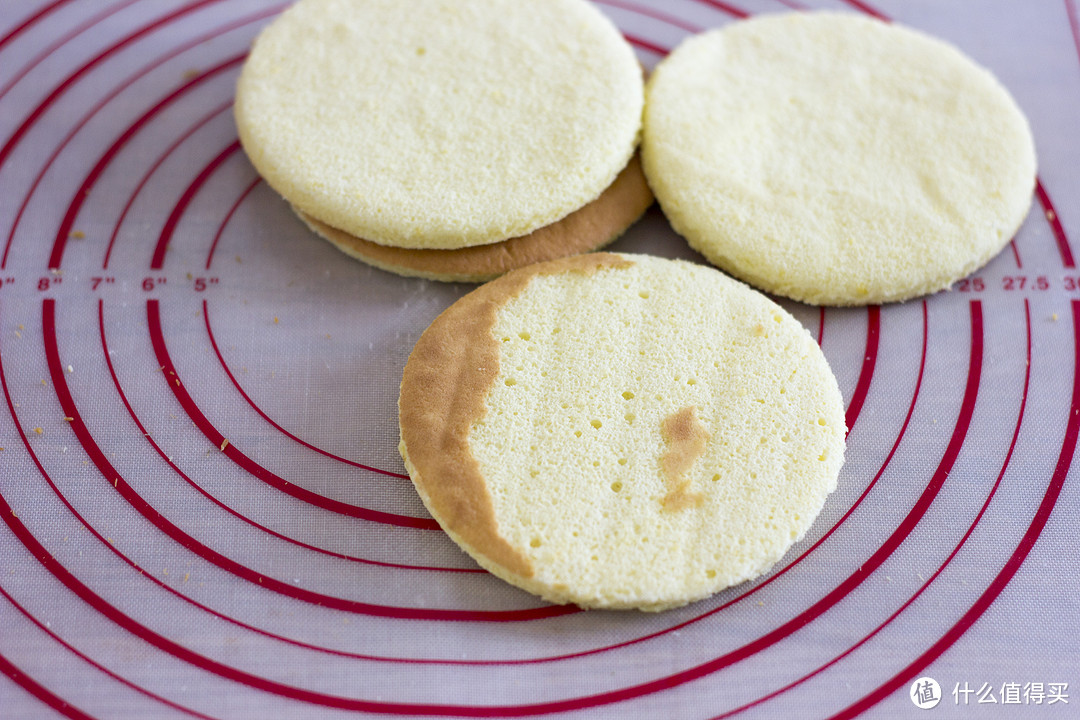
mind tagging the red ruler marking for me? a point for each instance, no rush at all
(153, 168)
(63, 87)
(1035, 528)
(865, 7)
(1055, 225)
(20, 28)
(651, 13)
(866, 374)
(185, 199)
(105, 100)
(128, 493)
(645, 44)
(776, 575)
(176, 386)
(43, 556)
(941, 568)
(57, 254)
(1074, 24)
(164, 456)
(96, 665)
(267, 418)
(39, 691)
(228, 217)
(727, 8)
(83, 27)
(887, 548)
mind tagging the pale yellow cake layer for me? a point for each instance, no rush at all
(836, 159)
(621, 431)
(439, 123)
(589, 228)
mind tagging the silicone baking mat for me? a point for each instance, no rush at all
(205, 515)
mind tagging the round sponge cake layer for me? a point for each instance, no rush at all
(439, 123)
(621, 431)
(589, 228)
(834, 158)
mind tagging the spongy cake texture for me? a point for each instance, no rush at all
(621, 431)
(589, 228)
(439, 123)
(836, 159)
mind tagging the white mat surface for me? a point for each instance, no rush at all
(157, 300)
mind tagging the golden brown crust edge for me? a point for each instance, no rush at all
(589, 228)
(443, 393)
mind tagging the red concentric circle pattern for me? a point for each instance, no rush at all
(205, 514)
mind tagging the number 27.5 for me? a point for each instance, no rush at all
(1020, 282)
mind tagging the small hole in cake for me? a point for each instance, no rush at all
(691, 381)
(622, 461)
(821, 457)
(510, 381)
(710, 574)
(628, 395)
(644, 294)
(630, 417)
(535, 542)
(821, 421)
(616, 486)
(577, 433)
(716, 477)
(596, 424)
(524, 336)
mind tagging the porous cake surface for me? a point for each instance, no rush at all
(836, 159)
(439, 123)
(589, 228)
(621, 431)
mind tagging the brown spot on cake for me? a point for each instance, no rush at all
(685, 437)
